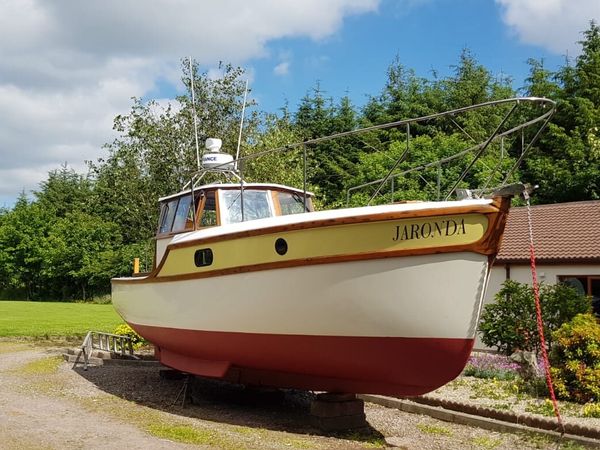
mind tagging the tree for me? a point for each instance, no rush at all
(23, 231)
(284, 167)
(566, 162)
(64, 191)
(332, 161)
(155, 154)
(80, 256)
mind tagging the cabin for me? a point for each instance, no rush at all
(567, 246)
(221, 204)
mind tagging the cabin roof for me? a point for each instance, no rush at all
(562, 232)
(272, 186)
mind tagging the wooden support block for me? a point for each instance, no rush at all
(335, 412)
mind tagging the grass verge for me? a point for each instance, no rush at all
(53, 319)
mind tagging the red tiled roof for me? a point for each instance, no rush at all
(562, 232)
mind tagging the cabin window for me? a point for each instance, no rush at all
(182, 215)
(292, 203)
(203, 257)
(168, 214)
(208, 216)
(257, 205)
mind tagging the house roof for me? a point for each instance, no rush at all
(562, 232)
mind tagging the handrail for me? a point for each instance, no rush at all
(547, 107)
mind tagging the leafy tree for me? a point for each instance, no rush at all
(541, 81)
(330, 162)
(279, 167)
(566, 163)
(155, 154)
(22, 232)
(80, 255)
(63, 192)
(407, 96)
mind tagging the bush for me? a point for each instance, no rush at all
(591, 410)
(576, 359)
(136, 339)
(509, 324)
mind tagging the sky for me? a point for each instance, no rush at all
(67, 68)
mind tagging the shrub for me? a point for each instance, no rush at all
(576, 359)
(509, 324)
(591, 410)
(136, 339)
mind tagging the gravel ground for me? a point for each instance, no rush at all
(46, 404)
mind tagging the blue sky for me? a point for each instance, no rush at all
(427, 38)
(68, 68)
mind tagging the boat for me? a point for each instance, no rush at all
(252, 285)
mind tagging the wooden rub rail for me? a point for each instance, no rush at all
(97, 340)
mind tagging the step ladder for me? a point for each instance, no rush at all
(112, 343)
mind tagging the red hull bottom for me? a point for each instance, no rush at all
(375, 365)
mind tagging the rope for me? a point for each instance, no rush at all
(540, 325)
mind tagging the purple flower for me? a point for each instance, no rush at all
(489, 362)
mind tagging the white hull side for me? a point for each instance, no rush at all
(436, 295)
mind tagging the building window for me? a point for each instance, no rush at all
(585, 285)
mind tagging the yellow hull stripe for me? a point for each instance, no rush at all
(339, 240)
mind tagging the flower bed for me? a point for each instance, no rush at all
(493, 382)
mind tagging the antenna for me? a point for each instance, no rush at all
(237, 153)
(194, 111)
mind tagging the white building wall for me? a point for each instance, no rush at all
(547, 274)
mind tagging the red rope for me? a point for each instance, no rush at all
(540, 324)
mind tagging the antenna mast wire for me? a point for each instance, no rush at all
(237, 153)
(194, 111)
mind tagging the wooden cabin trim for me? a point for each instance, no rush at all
(377, 217)
(199, 211)
(485, 245)
(218, 207)
(299, 263)
(496, 226)
(276, 204)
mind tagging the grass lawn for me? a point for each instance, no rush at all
(47, 319)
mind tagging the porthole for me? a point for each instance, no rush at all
(281, 246)
(203, 257)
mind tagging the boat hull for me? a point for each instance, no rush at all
(398, 326)
(383, 365)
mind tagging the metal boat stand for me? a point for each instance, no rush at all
(184, 393)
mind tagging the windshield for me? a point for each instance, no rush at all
(257, 205)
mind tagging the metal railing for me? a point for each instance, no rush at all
(97, 340)
(534, 121)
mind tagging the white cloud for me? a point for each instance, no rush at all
(69, 67)
(553, 24)
(281, 69)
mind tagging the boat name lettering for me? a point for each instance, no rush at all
(446, 227)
